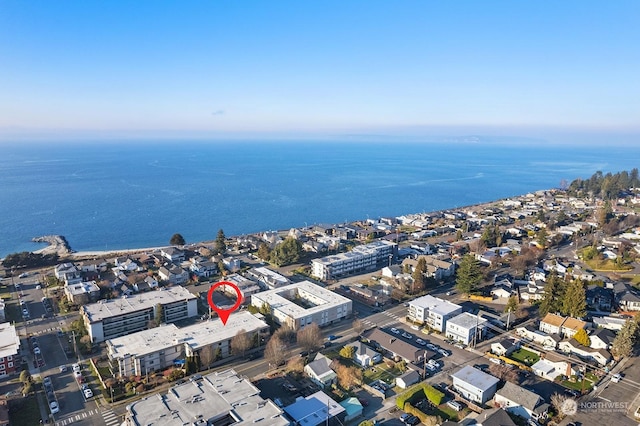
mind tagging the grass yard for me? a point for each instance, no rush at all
(607, 265)
(381, 372)
(525, 356)
(25, 412)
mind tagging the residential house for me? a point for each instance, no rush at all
(320, 372)
(364, 355)
(504, 347)
(602, 338)
(521, 402)
(232, 264)
(531, 334)
(552, 366)
(571, 326)
(433, 311)
(610, 323)
(557, 324)
(465, 328)
(571, 346)
(397, 348)
(267, 278)
(627, 298)
(151, 282)
(599, 298)
(494, 417)
(410, 377)
(173, 274)
(246, 286)
(474, 385)
(202, 266)
(534, 290)
(172, 254)
(315, 410)
(127, 265)
(353, 409)
(140, 286)
(436, 268)
(502, 292)
(68, 272)
(82, 293)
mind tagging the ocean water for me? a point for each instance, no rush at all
(107, 196)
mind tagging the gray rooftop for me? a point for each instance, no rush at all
(218, 395)
(466, 320)
(475, 377)
(434, 304)
(519, 395)
(96, 312)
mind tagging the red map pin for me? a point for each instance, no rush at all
(224, 313)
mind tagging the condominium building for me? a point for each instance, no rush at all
(433, 311)
(220, 398)
(299, 304)
(9, 348)
(361, 258)
(465, 327)
(108, 319)
(158, 348)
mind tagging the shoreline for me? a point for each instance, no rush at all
(59, 244)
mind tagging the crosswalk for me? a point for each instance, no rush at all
(46, 330)
(109, 417)
(393, 320)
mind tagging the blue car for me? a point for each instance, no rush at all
(332, 337)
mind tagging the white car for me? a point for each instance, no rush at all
(76, 368)
(432, 346)
(616, 378)
(444, 352)
(36, 351)
(421, 342)
(407, 335)
(63, 368)
(53, 405)
(415, 327)
(87, 393)
(395, 331)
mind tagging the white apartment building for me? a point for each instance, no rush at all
(157, 348)
(433, 311)
(108, 319)
(361, 258)
(463, 327)
(220, 398)
(299, 304)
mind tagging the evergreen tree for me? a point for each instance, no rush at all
(468, 275)
(419, 275)
(625, 340)
(574, 301)
(286, 253)
(512, 304)
(220, 244)
(542, 238)
(550, 300)
(177, 240)
(264, 251)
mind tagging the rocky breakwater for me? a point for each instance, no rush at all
(57, 245)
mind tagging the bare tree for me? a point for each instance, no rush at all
(558, 401)
(276, 351)
(240, 342)
(347, 376)
(358, 326)
(295, 365)
(310, 337)
(504, 372)
(208, 355)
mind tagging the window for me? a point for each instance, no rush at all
(10, 358)
(1, 366)
(11, 365)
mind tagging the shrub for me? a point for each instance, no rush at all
(433, 394)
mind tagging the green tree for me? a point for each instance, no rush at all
(347, 352)
(582, 337)
(286, 253)
(25, 376)
(512, 304)
(551, 298)
(177, 240)
(574, 301)
(419, 275)
(366, 423)
(220, 244)
(468, 275)
(605, 213)
(625, 340)
(542, 237)
(264, 251)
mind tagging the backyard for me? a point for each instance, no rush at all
(524, 356)
(586, 384)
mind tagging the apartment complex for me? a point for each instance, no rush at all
(108, 319)
(361, 258)
(158, 348)
(464, 327)
(9, 348)
(433, 311)
(220, 398)
(299, 304)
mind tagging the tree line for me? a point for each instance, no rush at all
(607, 186)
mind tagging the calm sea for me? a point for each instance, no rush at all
(114, 196)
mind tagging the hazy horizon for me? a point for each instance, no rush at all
(558, 72)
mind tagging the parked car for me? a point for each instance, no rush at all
(195, 377)
(395, 331)
(76, 368)
(421, 342)
(53, 406)
(87, 393)
(407, 335)
(444, 352)
(616, 378)
(454, 405)
(332, 337)
(432, 347)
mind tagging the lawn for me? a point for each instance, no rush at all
(525, 356)
(589, 380)
(381, 372)
(25, 412)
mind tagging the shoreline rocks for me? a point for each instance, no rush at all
(57, 244)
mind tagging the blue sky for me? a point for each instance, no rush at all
(219, 68)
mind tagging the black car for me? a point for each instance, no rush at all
(412, 420)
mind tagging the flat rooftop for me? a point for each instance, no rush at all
(357, 252)
(82, 288)
(9, 340)
(435, 304)
(320, 297)
(466, 320)
(196, 335)
(475, 377)
(218, 395)
(96, 312)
